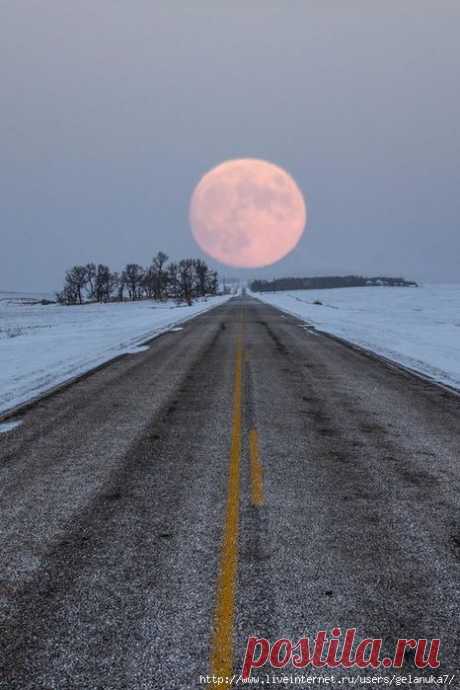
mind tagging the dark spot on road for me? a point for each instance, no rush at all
(370, 428)
(279, 345)
(389, 458)
(115, 496)
(418, 478)
(326, 431)
(319, 417)
(329, 593)
(341, 457)
(372, 520)
(455, 541)
(366, 495)
(165, 535)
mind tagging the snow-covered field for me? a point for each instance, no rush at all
(416, 327)
(43, 346)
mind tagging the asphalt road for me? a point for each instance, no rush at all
(244, 476)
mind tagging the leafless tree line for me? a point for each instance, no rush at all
(182, 280)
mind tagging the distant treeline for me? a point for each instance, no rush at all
(321, 282)
(182, 280)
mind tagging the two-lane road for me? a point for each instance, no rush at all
(243, 476)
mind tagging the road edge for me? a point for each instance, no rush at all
(22, 408)
(386, 361)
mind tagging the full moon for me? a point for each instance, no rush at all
(247, 213)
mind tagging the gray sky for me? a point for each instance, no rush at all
(112, 111)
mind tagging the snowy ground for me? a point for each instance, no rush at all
(417, 327)
(42, 346)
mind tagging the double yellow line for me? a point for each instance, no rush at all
(221, 662)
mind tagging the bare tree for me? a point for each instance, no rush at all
(104, 283)
(149, 281)
(134, 277)
(172, 280)
(212, 283)
(201, 271)
(67, 295)
(160, 274)
(91, 272)
(185, 277)
(75, 282)
(120, 282)
(183, 281)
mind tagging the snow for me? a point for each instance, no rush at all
(9, 426)
(44, 346)
(416, 327)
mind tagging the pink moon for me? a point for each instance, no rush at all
(247, 213)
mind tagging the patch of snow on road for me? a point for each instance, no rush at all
(42, 346)
(416, 327)
(136, 350)
(9, 426)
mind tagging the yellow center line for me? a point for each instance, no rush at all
(257, 485)
(221, 661)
